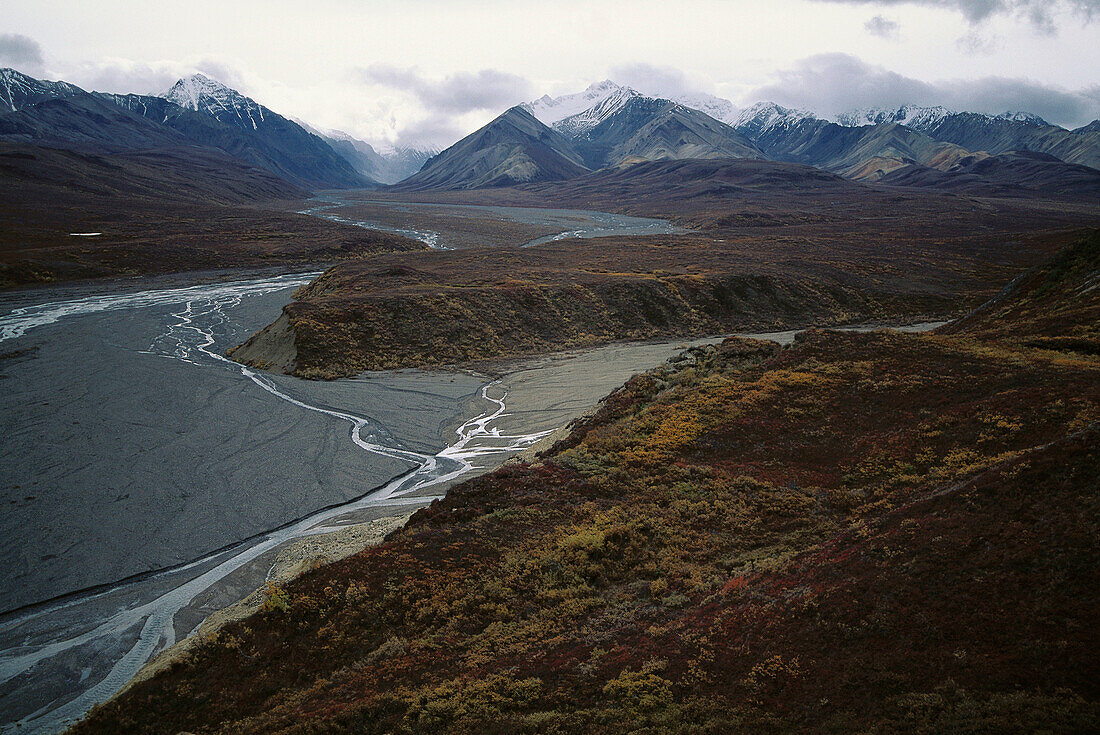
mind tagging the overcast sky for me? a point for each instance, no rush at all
(430, 71)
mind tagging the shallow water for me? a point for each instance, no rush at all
(573, 223)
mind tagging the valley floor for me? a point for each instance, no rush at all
(858, 532)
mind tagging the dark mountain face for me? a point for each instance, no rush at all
(515, 148)
(17, 90)
(86, 122)
(1018, 173)
(189, 174)
(654, 130)
(256, 134)
(997, 135)
(61, 115)
(280, 146)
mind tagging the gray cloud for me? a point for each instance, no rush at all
(660, 81)
(487, 89)
(21, 52)
(1038, 12)
(832, 83)
(975, 42)
(123, 76)
(436, 131)
(882, 27)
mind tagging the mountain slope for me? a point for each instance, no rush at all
(17, 90)
(191, 174)
(388, 166)
(862, 153)
(994, 134)
(653, 130)
(256, 134)
(512, 149)
(84, 121)
(1019, 173)
(999, 135)
(583, 109)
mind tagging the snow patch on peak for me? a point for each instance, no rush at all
(573, 114)
(923, 118)
(587, 119)
(200, 92)
(913, 116)
(764, 116)
(720, 109)
(550, 110)
(1021, 116)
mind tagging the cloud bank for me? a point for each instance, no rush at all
(487, 89)
(833, 83)
(882, 27)
(21, 52)
(1041, 13)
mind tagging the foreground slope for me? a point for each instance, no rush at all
(860, 532)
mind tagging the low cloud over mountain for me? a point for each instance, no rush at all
(21, 51)
(487, 89)
(1040, 13)
(832, 83)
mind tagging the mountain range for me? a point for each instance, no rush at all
(515, 148)
(606, 126)
(195, 112)
(610, 125)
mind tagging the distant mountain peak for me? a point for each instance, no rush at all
(924, 118)
(573, 114)
(201, 93)
(607, 95)
(913, 116)
(1021, 116)
(605, 86)
(761, 117)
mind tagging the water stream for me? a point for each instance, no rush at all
(105, 634)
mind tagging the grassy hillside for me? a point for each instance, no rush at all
(436, 308)
(860, 532)
(1055, 305)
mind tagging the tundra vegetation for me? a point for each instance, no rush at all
(861, 532)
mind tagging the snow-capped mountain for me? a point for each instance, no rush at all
(201, 93)
(1020, 116)
(606, 96)
(923, 118)
(573, 114)
(720, 109)
(18, 90)
(912, 116)
(261, 137)
(763, 117)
